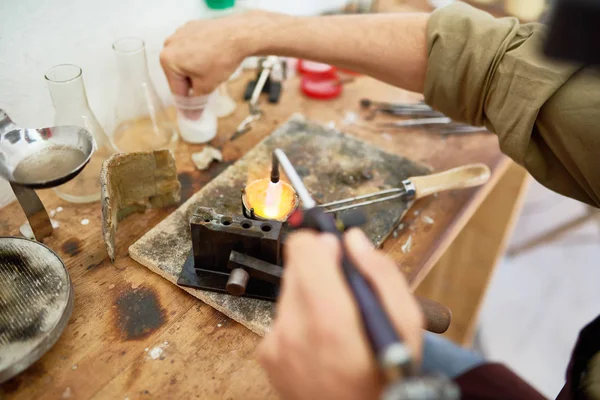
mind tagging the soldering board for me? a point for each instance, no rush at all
(333, 166)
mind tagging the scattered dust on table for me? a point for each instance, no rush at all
(74, 367)
(350, 118)
(59, 209)
(157, 352)
(67, 394)
(85, 221)
(428, 220)
(387, 136)
(407, 246)
(204, 158)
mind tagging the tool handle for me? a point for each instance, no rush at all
(437, 316)
(457, 178)
(379, 329)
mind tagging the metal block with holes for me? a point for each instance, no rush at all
(217, 239)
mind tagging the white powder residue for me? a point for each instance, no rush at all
(331, 125)
(350, 118)
(67, 394)
(406, 246)
(155, 352)
(59, 209)
(219, 325)
(74, 367)
(428, 219)
(387, 136)
(204, 158)
(54, 223)
(52, 213)
(417, 212)
(85, 221)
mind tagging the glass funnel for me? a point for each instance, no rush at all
(142, 121)
(67, 90)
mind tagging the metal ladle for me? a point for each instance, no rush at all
(40, 159)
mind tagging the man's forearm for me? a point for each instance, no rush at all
(389, 47)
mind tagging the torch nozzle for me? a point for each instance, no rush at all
(275, 169)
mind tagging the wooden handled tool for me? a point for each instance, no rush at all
(457, 178)
(437, 316)
(418, 187)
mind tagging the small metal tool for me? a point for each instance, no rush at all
(421, 110)
(255, 113)
(39, 159)
(246, 124)
(415, 122)
(418, 187)
(368, 103)
(460, 129)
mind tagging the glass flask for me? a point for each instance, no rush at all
(65, 82)
(142, 123)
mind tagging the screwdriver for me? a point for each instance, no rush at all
(392, 355)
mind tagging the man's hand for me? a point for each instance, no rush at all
(202, 54)
(317, 348)
(390, 47)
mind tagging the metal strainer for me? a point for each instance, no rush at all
(36, 300)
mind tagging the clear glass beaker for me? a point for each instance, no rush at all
(65, 82)
(141, 118)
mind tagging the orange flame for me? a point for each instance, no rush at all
(274, 201)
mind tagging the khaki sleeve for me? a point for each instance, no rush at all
(487, 71)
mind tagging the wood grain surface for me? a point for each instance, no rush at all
(134, 335)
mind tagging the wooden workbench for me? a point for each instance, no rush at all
(123, 311)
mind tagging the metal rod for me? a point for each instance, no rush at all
(373, 198)
(364, 203)
(274, 169)
(415, 122)
(34, 211)
(462, 129)
(295, 180)
(260, 84)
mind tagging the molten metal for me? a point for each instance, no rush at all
(272, 201)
